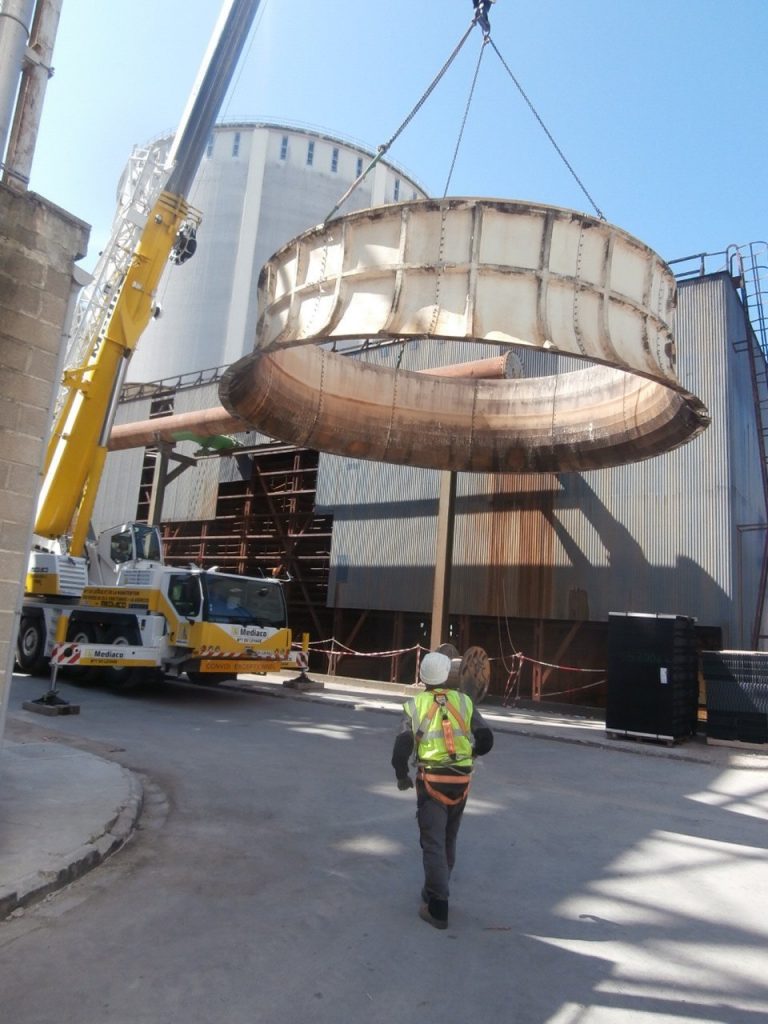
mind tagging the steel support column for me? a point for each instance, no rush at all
(441, 595)
(162, 476)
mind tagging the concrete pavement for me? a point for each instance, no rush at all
(64, 809)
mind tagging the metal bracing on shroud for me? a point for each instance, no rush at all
(504, 272)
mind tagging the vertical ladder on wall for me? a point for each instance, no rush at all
(748, 266)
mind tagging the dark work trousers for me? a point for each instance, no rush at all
(438, 828)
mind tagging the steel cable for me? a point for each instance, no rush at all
(547, 132)
(486, 39)
(385, 146)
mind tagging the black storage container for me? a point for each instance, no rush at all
(737, 695)
(652, 676)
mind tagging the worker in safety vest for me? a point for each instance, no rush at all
(444, 732)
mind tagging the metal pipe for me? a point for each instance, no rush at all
(506, 367)
(15, 19)
(203, 423)
(36, 72)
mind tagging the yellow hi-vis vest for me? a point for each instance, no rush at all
(440, 720)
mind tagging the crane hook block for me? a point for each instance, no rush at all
(482, 7)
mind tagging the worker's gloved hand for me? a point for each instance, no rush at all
(405, 783)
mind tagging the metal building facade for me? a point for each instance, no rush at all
(676, 534)
(683, 533)
(120, 482)
(258, 186)
(193, 493)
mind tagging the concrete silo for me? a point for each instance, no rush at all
(259, 185)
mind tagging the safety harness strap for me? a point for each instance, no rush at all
(432, 711)
(458, 780)
(426, 721)
(450, 746)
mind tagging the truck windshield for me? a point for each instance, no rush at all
(249, 602)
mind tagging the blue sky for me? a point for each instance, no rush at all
(658, 106)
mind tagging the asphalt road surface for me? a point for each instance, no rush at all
(275, 880)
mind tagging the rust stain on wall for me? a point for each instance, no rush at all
(522, 543)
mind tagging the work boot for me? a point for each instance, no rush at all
(435, 913)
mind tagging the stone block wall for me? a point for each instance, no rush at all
(39, 245)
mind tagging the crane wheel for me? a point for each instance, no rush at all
(30, 646)
(123, 679)
(80, 633)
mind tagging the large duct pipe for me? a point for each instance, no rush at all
(15, 20)
(210, 422)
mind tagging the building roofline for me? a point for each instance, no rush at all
(305, 128)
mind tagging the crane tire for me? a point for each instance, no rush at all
(30, 645)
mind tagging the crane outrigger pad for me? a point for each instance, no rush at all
(510, 274)
(51, 704)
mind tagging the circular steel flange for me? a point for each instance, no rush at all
(480, 270)
(452, 652)
(475, 673)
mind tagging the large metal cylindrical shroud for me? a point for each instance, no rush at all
(507, 273)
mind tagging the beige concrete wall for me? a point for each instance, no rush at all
(39, 244)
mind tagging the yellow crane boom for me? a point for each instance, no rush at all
(78, 444)
(77, 447)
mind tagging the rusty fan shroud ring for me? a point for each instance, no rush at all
(502, 272)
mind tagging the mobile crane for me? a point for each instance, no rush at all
(110, 603)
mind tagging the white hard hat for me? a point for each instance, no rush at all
(434, 669)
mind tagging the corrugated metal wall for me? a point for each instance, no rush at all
(661, 536)
(192, 495)
(119, 489)
(675, 534)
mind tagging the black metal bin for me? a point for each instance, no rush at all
(652, 676)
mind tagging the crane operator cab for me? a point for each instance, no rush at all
(129, 545)
(134, 542)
